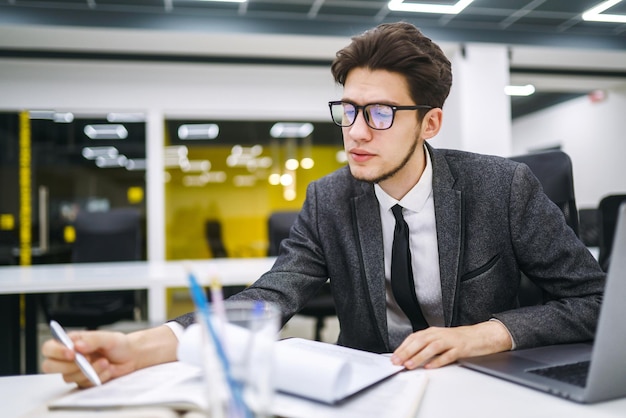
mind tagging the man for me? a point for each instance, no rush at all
(475, 222)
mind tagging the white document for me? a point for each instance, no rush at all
(327, 372)
(172, 385)
(320, 371)
(398, 397)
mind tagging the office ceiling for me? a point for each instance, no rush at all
(546, 23)
(487, 20)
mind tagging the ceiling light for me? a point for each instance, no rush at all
(113, 131)
(41, 114)
(292, 164)
(126, 117)
(58, 117)
(198, 131)
(66, 117)
(286, 179)
(595, 13)
(274, 179)
(291, 130)
(526, 90)
(307, 163)
(136, 164)
(91, 153)
(401, 6)
(104, 162)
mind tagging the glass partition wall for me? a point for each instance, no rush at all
(54, 165)
(224, 178)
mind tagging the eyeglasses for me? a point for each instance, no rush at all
(377, 116)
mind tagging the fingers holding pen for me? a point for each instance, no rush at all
(64, 355)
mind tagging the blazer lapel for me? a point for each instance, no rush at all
(449, 218)
(368, 230)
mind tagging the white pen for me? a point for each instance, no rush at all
(59, 334)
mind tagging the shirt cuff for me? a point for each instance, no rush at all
(176, 328)
(507, 330)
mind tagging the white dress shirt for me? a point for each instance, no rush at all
(419, 214)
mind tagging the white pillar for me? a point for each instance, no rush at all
(477, 114)
(155, 204)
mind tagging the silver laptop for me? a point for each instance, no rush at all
(581, 372)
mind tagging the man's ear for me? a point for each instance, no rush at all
(431, 124)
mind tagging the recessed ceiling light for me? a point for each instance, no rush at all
(105, 162)
(402, 6)
(41, 114)
(65, 117)
(595, 13)
(136, 164)
(291, 130)
(126, 117)
(526, 90)
(59, 117)
(113, 131)
(198, 131)
(91, 153)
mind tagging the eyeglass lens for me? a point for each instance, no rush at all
(378, 116)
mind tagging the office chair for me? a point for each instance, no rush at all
(213, 232)
(100, 237)
(589, 226)
(554, 171)
(322, 305)
(608, 209)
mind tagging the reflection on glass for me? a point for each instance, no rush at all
(246, 182)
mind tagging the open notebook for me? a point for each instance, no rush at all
(580, 372)
(359, 390)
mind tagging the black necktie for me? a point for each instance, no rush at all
(402, 274)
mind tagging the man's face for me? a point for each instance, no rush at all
(391, 157)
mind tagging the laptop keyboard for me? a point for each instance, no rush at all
(573, 373)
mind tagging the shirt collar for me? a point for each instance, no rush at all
(416, 198)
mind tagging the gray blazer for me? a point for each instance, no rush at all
(493, 222)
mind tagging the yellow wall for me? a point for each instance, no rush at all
(242, 211)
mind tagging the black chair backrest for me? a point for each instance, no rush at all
(279, 224)
(589, 223)
(114, 235)
(554, 171)
(608, 210)
(213, 232)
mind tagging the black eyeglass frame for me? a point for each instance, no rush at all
(394, 109)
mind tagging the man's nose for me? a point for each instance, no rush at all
(360, 130)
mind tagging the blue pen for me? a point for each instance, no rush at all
(204, 309)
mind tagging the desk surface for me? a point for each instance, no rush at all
(155, 276)
(452, 392)
(127, 275)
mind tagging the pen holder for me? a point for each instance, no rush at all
(247, 331)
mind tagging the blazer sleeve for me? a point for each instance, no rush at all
(552, 256)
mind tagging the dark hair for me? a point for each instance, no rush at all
(400, 48)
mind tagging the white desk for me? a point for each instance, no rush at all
(452, 392)
(154, 276)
